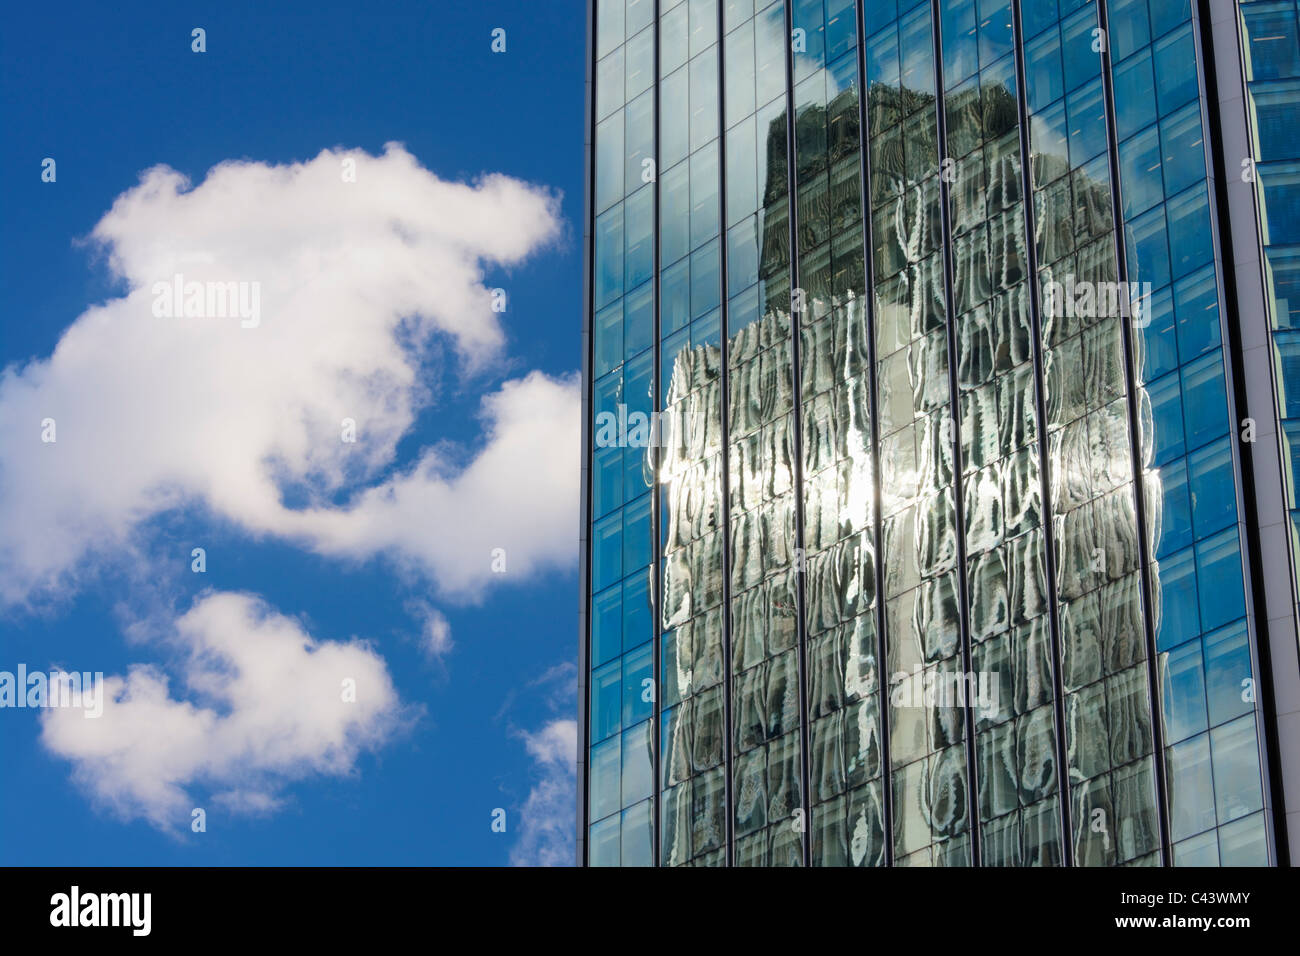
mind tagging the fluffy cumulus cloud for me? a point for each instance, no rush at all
(546, 820)
(262, 703)
(310, 308)
(266, 317)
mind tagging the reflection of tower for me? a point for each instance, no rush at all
(1092, 508)
(840, 587)
(922, 468)
(1104, 657)
(692, 614)
(763, 606)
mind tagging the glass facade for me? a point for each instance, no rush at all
(913, 517)
(1270, 38)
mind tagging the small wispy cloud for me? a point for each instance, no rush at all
(548, 815)
(434, 636)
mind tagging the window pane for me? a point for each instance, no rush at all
(640, 142)
(1227, 674)
(638, 771)
(638, 685)
(674, 49)
(602, 839)
(1183, 692)
(638, 837)
(1236, 769)
(638, 320)
(606, 700)
(1214, 504)
(1218, 560)
(1191, 788)
(1176, 80)
(704, 98)
(606, 626)
(706, 213)
(739, 64)
(609, 257)
(705, 280)
(637, 627)
(605, 778)
(609, 161)
(608, 345)
(674, 119)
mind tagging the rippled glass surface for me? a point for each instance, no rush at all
(769, 810)
(837, 461)
(1007, 583)
(1108, 735)
(930, 777)
(878, 591)
(692, 619)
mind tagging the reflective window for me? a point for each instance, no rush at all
(832, 615)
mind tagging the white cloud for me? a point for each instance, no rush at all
(547, 817)
(358, 284)
(263, 704)
(434, 638)
(519, 495)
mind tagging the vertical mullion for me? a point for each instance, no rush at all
(954, 398)
(656, 511)
(882, 681)
(1135, 440)
(588, 340)
(792, 190)
(724, 393)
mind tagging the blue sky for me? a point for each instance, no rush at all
(110, 93)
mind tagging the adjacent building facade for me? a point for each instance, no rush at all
(939, 493)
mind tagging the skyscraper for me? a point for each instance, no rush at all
(939, 500)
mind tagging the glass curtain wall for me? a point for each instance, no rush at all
(914, 525)
(620, 649)
(692, 773)
(998, 352)
(1270, 40)
(838, 450)
(1207, 715)
(918, 510)
(766, 729)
